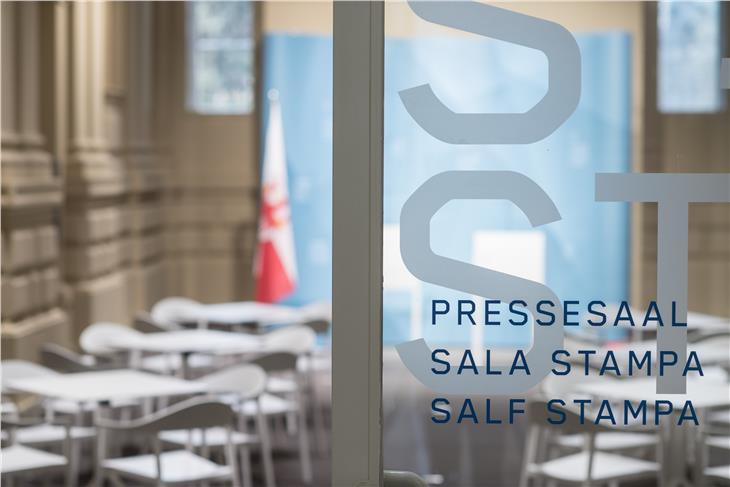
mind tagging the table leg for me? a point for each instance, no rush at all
(98, 479)
(185, 364)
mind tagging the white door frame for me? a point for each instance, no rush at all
(357, 227)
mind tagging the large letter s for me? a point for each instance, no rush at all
(426, 265)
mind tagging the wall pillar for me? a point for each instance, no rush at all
(95, 221)
(145, 176)
(31, 195)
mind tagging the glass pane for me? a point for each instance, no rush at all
(221, 57)
(689, 56)
(475, 101)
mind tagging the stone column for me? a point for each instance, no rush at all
(94, 246)
(31, 194)
(142, 162)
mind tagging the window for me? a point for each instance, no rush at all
(689, 57)
(220, 57)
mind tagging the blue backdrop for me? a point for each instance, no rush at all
(586, 252)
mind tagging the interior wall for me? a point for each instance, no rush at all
(212, 180)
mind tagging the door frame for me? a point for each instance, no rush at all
(357, 236)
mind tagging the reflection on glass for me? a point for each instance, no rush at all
(689, 57)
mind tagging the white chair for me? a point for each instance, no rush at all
(174, 311)
(289, 405)
(235, 385)
(587, 467)
(145, 323)
(98, 338)
(172, 467)
(720, 474)
(44, 433)
(61, 359)
(715, 473)
(19, 460)
(300, 340)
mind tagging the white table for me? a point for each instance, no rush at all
(704, 393)
(103, 387)
(187, 342)
(259, 314)
(243, 312)
(708, 353)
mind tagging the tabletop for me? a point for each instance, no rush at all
(236, 313)
(191, 341)
(703, 392)
(263, 314)
(708, 352)
(106, 385)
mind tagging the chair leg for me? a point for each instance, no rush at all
(318, 417)
(266, 457)
(72, 471)
(291, 423)
(231, 454)
(305, 454)
(245, 455)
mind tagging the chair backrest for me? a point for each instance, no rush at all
(175, 311)
(97, 337)
(143, 322)
(195, 413)
(62, 359)
(319, 327)
(22, 369)
(297, 339)
(246, 380)
(276, 362)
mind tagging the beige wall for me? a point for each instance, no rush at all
(212, 180)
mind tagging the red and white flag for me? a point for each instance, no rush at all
(275, 267)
